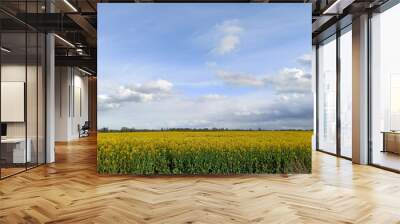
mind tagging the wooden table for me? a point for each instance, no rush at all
(391, 141)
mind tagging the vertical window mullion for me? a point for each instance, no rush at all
(37, 90)
(0, 93)
(317, 96)
(369, 90)
(26, 86)
(338, 80)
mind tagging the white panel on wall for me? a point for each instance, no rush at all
(78, 103)
(12, 101)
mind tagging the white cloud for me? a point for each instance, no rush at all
(291, 80)
(288, 106)
(305, 60)
(230, 27)
(211, 64)
(212, 97)
(228, 44)
(239, 79)
(259, 109)
(288, 80)
(192, 123)
(157, 86)
(229, 37)
(153, 90)
(295, 112)
(105, 103)
(198, 84)
(246, 113)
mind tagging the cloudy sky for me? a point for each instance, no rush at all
(205, 65)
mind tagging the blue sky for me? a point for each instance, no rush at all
(204, 65)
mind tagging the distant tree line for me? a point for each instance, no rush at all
(126, 129)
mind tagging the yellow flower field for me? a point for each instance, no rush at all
(204, 152)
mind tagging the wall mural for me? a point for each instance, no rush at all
(204, 88)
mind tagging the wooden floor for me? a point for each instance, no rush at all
(5, 172)
(387, 159)
(70, 191)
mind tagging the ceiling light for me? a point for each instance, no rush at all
(5, 50)
(65, 41)
(84, 71)
(79, 51)
(70, 5)
(338, 6)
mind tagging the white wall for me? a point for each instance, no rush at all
(71, 94)
(80, 105)
(314, 91)
(62, 82)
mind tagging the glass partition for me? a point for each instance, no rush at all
(22, 78)
(14, 155)
(327, 95)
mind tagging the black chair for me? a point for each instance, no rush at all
(84, 130)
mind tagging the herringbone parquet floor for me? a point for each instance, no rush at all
(70, 191)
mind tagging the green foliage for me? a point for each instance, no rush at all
(219, 152)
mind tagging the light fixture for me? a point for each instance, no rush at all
(84, 71)
(79, 51)
(70, 5)
(337, 7)
(5, 50)
(65, 41)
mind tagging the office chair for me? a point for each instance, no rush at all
(84, 130)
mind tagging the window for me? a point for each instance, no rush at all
(327, 95)
(346, 92)
(385, 89)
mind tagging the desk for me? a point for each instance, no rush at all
(15, 148)
(391, 141)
